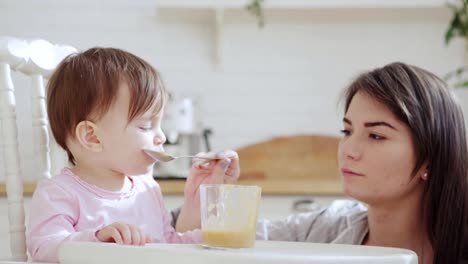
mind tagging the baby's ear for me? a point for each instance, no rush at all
(85, 133)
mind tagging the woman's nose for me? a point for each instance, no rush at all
(351, 149)
(353, 155)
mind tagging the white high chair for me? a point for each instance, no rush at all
(38, 59)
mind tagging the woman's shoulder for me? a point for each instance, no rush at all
(343, 221)
(339, 215)
(344, 208)
(339, 211)
(323, 225)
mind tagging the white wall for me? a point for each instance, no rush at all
(284, 79)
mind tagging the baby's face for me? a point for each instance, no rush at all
(123, 141)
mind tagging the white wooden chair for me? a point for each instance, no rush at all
(37, 59)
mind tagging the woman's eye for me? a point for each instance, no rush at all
(376, 137)
(345, 132)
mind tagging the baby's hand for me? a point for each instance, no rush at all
(123, 234)
(225, 169)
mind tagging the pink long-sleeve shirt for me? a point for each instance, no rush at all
(66, 208)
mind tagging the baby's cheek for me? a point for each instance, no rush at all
(145, 141)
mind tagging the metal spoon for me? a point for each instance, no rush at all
(165, 157)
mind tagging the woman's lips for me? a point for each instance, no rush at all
(350, 173)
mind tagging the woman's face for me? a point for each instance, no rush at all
(376, 154)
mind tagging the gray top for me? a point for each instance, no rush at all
(343, 222)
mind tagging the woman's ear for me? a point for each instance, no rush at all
(425, 174)
(85, 133)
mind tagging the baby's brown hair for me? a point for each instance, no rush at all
(85, 85)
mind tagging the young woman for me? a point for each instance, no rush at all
(404, 156)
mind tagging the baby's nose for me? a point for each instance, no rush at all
(159, 139)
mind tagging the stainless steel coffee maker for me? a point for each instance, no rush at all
(184, 136)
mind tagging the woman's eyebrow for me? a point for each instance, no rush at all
(371, 124)
(379, 123)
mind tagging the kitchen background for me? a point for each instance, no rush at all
(280, 80)
(247, 84)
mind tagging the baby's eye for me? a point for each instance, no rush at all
(146, 128)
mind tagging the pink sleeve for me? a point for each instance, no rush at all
(171, 236)
(189, 237)
(53, 214)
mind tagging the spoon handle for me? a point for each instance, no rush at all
(195, 157)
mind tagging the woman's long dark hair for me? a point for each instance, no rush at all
(425, 103)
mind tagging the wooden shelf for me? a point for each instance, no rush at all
(297, 187)
(229, 4)
(218, 7)
(301, 4)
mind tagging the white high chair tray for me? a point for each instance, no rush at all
(264, 252)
